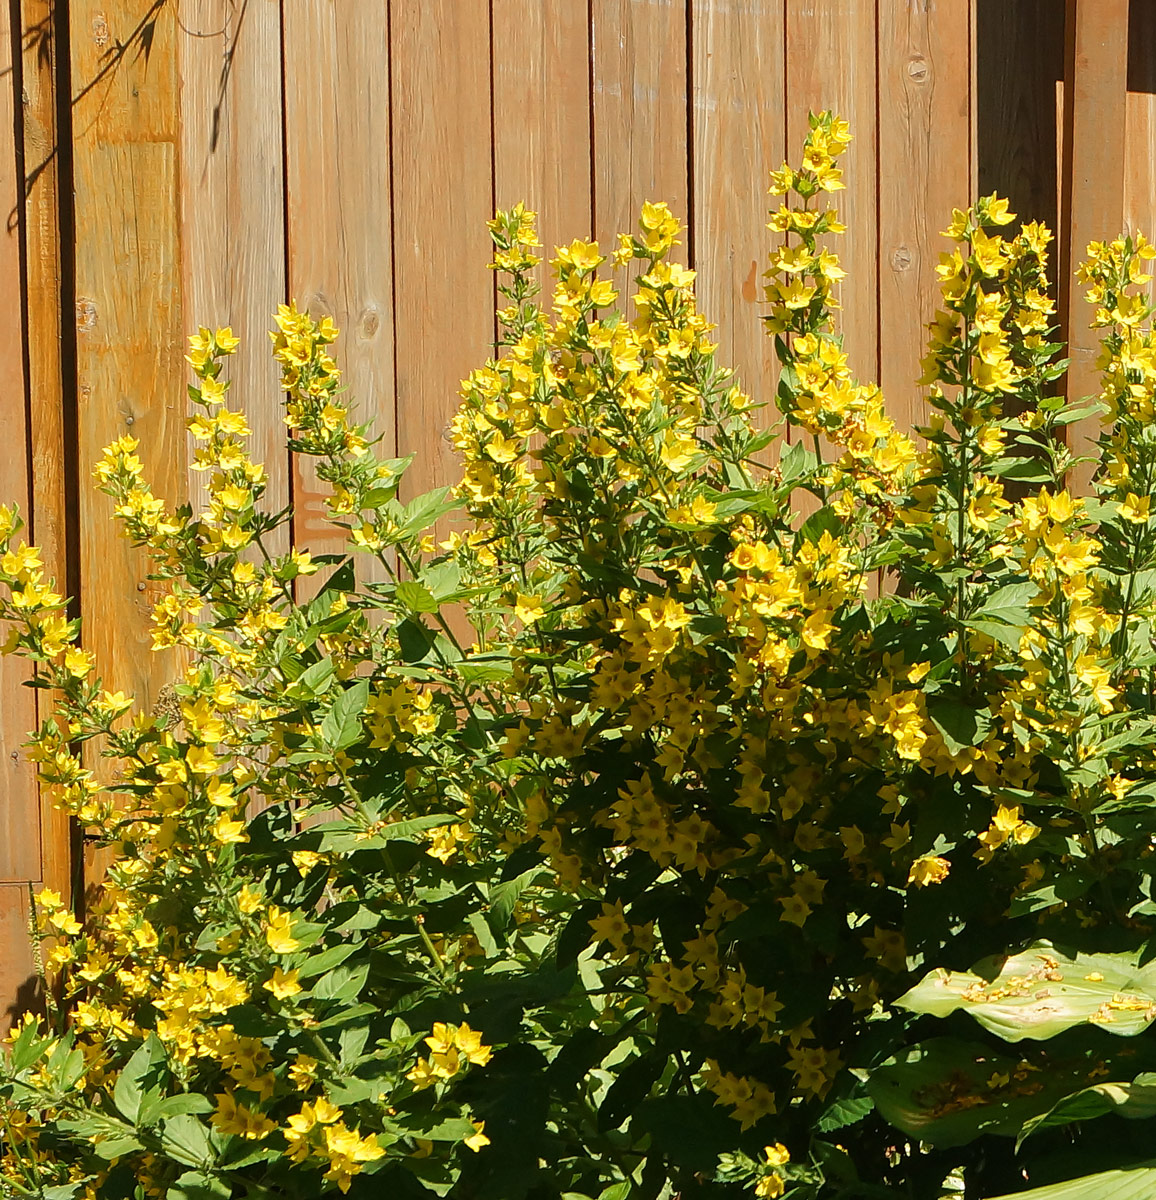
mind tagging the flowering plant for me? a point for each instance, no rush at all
(604, 849)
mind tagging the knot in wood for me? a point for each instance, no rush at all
(85, 314)
(901, 259)
(918, 69)
(369, 323)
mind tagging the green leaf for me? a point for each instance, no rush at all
(342, 983)
(485, 668)
(632, 1085)
(28, 1048)
(1133, 1183)
(109, 1148)
(315, 680)
(962, 725)
(348, 836)
(187, 1140)
(842, 1113)
(176, 1106)
(1042, 991)
(796, 461)
(325, 960)
(949, 1092)
(130, 1084)
(825, 520)
(415, 640)
(195, 1185)
(424, 510)
(416, 597)
(504, 898)
(342, 724)
(1135, 1100)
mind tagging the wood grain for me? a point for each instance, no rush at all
(542, 118)
(640, 96)
(1092, 201)
(739, 95)
(443, 196)
(19, 984)
(130, 329)
(924, 170)
(51, 384)
(232, 209)
(337, 159)
(19, 808)
(831, 64)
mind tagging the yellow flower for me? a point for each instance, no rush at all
(283, 984)
(528, 609)
(229, 832)
(478, 1138)
(929, 869)
(1136, 508)
(279, 932)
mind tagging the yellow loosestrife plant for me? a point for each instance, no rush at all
(626, 841)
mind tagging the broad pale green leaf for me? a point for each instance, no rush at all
(949, 1092)
(1136, 1183)
(1042, 991)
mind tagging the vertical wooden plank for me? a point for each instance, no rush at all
(739, 90)
(1019, 65)
(337, 130)
(924, 170)
(52, 394)
(19, 807)
(640, 114)
(130, 333)
(1092, 203)
(541, 82)
(831, 63)
(232, 208)
(443, 196)
(19, 985)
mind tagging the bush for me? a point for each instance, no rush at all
(629, 841)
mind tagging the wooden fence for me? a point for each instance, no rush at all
(169, 163)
